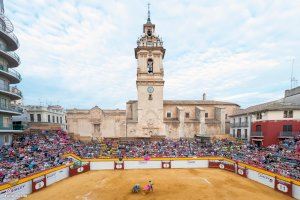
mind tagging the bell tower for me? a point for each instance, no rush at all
(150, 83)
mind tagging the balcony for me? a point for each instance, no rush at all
(12, 75)
(257, 134)
(242, 124)
(13, 92)
(19, 127)
(288, 134)
(6, 29)
(10, 109)
(12, 58)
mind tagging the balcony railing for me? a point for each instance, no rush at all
(7, 28)
(13, 55)
(242, 124)
(257, 134)
(11, 72)
(288, 134)
(10, 108)
(10, 89)
(19, 127)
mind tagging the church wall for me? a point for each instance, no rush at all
(95, 123)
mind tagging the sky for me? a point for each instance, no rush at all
(80, 54)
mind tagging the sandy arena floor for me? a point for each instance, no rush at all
(168, 184)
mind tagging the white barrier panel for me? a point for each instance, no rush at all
(142, 164)
(189, 164)
(296, 191)
(261, 178)
(57, 176)
(101, 165)
(17, 191)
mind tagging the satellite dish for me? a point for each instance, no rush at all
(6, 24)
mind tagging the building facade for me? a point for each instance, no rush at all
(45, 117)
(8, 93)
(150, 115)
(270, 122)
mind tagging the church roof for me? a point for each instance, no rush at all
(198, 102)
(192, 102)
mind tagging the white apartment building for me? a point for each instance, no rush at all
(42, 117)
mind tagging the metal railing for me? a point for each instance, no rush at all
(13, 55)
(19, 127)
(10, 108)
(4, 29)
(257, 134)
(11, 72)
(288, 134)
(14, 90)
(242, 124)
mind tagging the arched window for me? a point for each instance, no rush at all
(150, 65)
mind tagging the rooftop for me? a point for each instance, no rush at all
(291, 101)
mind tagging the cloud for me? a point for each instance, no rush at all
(80, 53)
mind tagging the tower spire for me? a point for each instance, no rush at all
(149, 20)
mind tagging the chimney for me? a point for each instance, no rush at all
(204, 97)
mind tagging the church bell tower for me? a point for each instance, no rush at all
(150, 83)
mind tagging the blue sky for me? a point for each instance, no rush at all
(80, 53)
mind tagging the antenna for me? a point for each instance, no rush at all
(294, 81)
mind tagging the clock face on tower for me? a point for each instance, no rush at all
(150, 89)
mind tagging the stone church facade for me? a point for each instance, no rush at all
(150, 115)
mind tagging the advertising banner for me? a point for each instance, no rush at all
(242, 171)
(215, 164)
(38, 183)
(229, 166)
(166, 164)
(79, 170)
(261, 178)
(16, 192)
(102, 165)
(119, 165)
(189, 164)
(284, 187)
(57, 176)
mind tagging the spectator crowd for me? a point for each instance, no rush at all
(31, 153)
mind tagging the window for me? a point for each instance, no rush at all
(56, 119)
(206, 115)
(32, 117)
(288, 114)
(240, 121)
(61, 120)
(239, 133)
(150, 65)
(49, 118)
(169, 114)
(6, 122)
(187, 115)
(258, 116)
(233, 132)
(287, 128)
(258, 128)
(150, 97)
(246, 133)
(39, 118)
(226, 116)
(53, 119)
(6, 139)
(246, 120)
